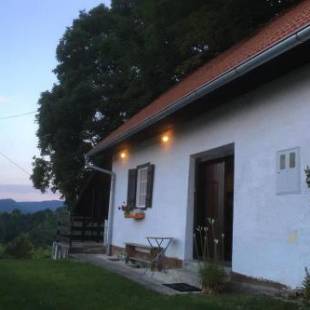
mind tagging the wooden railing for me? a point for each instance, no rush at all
(81, 229)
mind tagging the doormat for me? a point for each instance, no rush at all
(183, 287)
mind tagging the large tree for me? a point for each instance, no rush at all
(114, 61)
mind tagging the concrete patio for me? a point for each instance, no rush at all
(153, 280)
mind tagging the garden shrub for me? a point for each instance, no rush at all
(20, 247)
(209, 245)
(40, 253)
(2, 248)
(306, 286)
(213, 277)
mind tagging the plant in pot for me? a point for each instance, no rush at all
(127, 209)
(132, 212)
(209, 247)
(138, 214)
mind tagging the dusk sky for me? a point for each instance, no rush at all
(29, 33)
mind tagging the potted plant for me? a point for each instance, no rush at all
(126, 209)
(138, 214)
(131, 212)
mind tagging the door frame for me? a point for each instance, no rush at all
(211, 154)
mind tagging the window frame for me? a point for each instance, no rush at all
(133, 193)
(140, 168)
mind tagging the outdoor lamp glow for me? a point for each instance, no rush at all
(165, 138)
(123, 155)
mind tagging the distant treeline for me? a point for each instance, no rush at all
(40, 227)
(8, 205)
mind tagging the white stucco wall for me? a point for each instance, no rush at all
(271, 232)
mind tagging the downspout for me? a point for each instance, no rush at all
(90, 165)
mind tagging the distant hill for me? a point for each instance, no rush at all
(8, 205)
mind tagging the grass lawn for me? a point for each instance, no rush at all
(45, 284)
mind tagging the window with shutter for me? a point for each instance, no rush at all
(150, 184)
(132, 185)
(140, 186)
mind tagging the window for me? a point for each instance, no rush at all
(292, 160)
(282, 161)
(288, 171)
(140, 186)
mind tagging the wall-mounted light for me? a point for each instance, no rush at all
(123, 155)
(165, 138)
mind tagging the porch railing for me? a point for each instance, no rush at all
(81, 229)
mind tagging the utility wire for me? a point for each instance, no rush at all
(17, 115)
(5, 156)
(14, 163)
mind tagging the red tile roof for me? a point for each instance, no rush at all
(269, 35)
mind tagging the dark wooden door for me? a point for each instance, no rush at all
(214, 205)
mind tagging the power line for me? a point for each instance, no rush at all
(14, 163)
(17, 115)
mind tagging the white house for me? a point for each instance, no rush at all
(229, 142)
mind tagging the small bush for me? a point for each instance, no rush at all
(40, 253)
(306, 286)
(213, 277)
(20, 247)
(1, 251)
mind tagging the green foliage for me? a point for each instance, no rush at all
(209, 247)
(41, 253)
(20, 247)
(41, 227)
(2, 249)
(306, 286)
(114, 61)
(307, 171)
(41, 174)
(213, 277)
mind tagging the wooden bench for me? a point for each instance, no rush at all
(140, 253)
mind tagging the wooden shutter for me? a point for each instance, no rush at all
(132, 187)
(150, 183)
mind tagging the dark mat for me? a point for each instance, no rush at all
(183, 287)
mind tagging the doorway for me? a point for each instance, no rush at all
(213, 211)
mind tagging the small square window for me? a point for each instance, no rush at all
(288, 171)
(292, 160)
(282, 161)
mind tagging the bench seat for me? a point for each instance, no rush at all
(140, 253)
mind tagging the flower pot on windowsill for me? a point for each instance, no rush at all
(136, 215)
(140, 215)
(129, 215)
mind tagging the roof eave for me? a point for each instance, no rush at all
(299, 37)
